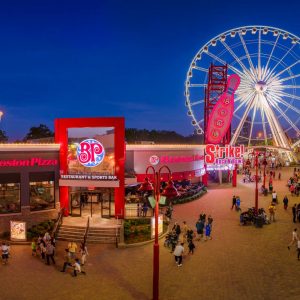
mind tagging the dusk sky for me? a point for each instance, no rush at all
(112, 58)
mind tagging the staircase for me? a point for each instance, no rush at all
(105, 235)
(96, 235)
(70, 233)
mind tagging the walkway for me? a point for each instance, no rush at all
(239, 263)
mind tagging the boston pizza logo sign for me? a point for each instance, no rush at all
(154, 160)
(90, 153)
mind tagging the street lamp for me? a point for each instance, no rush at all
(147, 186)
(256, 180)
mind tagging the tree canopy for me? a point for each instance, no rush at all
(3, 137)
(42, 131)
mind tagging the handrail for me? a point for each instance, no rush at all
(86, 232)
(58, 222)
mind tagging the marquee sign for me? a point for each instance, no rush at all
(215, 154)
(90, 153)
(167, 159)
(220, 117)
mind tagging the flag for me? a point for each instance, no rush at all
(152, 201)
(162, 200)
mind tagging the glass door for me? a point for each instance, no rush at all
(75, 204)
(106, 198)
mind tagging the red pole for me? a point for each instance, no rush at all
(156, 245)
(256, 183)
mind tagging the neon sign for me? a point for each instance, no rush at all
(34, 161)
(90, 153)
(215, 154)
(221, 115)
(154, 159)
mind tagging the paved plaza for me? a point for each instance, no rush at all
(240, 262)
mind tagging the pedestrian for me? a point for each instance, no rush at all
(72, 246)
(184, 231)
(279, 176)
(177, 229)
(233, 202)
(292, 189)
(138, 210)
(294, 238)
(47, 237)
(191, 246)
(67, 260)
(199, 228)
(178, 252)
(298, 212)
(84, 253)
(285, 202)
(202, 217)
(50, 253)
(33, 248)
(272, 212)
(207, 231)
(77, 268)
(43, 249)
(298, 248)
(294, 210)
(5, 253)
(145, 209)
(274, 197)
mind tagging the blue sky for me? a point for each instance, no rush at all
(112, 58)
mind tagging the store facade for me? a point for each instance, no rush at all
(29, 190)
(92, 157)
(186, 162)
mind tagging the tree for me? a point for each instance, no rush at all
(39, 132)
(3, 137)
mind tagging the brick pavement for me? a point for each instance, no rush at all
(239, 263)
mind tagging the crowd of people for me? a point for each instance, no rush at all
(185, 235)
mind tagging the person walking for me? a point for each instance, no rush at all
(178, 252)
(207, 231)
(5, 253)
(233, 202)
(67, 260)
(272, 209)
(72, 246)
(199, 228)
(77, 268)
(279, 176)
(298, 249)
(50, 253)
(294, 210)
(177, 229)
(274, 197)
(84, 253)
(145, 209)
(285, 202)
(191, 246)
(294, 238)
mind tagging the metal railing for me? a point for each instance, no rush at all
(86, 232)
(58, 223)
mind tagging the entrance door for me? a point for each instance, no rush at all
(106, 204)
(75, 205)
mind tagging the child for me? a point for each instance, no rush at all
(207, 232)
(191, 247)
(33, 248)
(77, 268)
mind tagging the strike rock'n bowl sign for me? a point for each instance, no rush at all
(90, 153)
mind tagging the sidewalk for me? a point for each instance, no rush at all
(240, 262)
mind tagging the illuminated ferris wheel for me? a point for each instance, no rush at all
(267, 102)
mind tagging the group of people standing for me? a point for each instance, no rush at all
(203, 229)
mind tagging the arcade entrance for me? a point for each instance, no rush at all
(85, 202)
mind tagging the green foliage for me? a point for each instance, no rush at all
(137, 230)
(134, 135)
(42, 131)
(3, 137)
(40, 229)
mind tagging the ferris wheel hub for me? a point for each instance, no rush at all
(260, 86)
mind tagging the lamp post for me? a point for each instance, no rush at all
(156, 191)
(256, 180)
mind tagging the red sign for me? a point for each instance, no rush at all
(34, 161)
(214, 152)
(221, 115)
(180, 159)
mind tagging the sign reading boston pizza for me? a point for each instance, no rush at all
(215, 154)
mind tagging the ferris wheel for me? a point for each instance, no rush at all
(267, 102)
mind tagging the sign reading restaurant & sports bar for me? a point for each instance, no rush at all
(215, 154)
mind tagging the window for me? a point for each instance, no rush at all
(42, 191)
(10, 193)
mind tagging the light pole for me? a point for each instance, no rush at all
(147, 186)
(256, 180)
